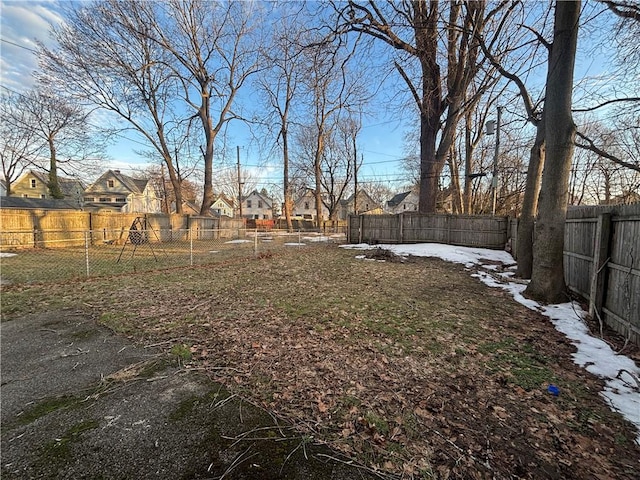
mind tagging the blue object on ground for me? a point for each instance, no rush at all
(553, 390)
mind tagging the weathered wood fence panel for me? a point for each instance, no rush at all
(602, 263)
(465, 230)
(66, 228)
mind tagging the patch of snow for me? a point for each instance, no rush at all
(239, 241)
(294, 244)
(593, 354)
(321, 238)
(6, 254)
(214, 251)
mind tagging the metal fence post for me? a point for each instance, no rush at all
(255, 242)
(191, 245)
(86, 251)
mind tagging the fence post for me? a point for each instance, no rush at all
(191, 245)
(86, 251)
(255, 242)
(599, 267)
(401, 228)
(360, 221)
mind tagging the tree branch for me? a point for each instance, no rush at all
(608, 102)
(592, 147)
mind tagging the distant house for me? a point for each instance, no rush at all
(305, 206)
(33, 184)
(119, 192)
(222, 207)
(258, 206)
(403, 202)
(364, 204)
(3, 188)
(188, 208)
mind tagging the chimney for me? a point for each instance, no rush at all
(116, 171)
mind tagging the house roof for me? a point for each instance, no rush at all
(398, 199)
(38, 203)
(134, 185)
(68, 186)
(256, 193)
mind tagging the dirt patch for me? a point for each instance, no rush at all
(415, 369)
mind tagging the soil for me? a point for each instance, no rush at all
(81, 402)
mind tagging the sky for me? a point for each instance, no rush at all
(593, 354)
(22, 22)
(381, 140)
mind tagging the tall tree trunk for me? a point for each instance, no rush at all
(456, 194)
(53, 184)
(547, 278)
(205, 117)
(288, 201)
(468, 165)
(530, 203)
(317, 164)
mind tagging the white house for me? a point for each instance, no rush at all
(119, 192)
(403, 202)
(258, 206)
(305, 207)
(222, 207)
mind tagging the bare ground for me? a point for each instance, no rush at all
(413, 368)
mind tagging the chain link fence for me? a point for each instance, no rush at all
(58, 255)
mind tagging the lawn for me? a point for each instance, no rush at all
(412, 368)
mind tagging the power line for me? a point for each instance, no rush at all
(19, 46)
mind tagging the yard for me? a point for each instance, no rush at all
(412, 368)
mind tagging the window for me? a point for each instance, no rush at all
(259, 203)
(404, 206)
(104, 199)
(121, 200)
(110, 183)
(43, 196)
(33, 183)
(89, 199)
(25, 196)
(306, 205)
(248, 203)
(367, 206)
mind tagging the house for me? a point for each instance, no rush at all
(258, 206)
(3, 188)
(115, 191)
(33, 184)
(305, 206)
(223, 206)
(364, 204)
(403, 202)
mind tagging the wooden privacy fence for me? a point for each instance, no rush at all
(64, 228)
(464, 230)
(602, 263)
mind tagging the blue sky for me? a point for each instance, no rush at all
(382, 136)
(22, 22)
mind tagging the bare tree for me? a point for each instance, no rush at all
(547, 279)
(106, 59)
(412, 29)
(20, 147)
(281, 84)
(214, 52)
(63, 128)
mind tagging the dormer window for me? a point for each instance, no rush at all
(33, 183)
(110, 183)
(248, 203)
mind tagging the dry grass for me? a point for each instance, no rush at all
(412, 368)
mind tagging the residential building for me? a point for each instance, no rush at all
(257, 206)
(403, 202)
(33, 184)
(364, 204)
(223, 207)
(305, 207)
(116, 191)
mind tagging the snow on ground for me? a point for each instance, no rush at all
(622, 394)
(294, 244)
(239, 241)
(6, 254)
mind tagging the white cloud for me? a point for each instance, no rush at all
(21, 25)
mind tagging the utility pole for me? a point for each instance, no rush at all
(494, 180)
(239, 182)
